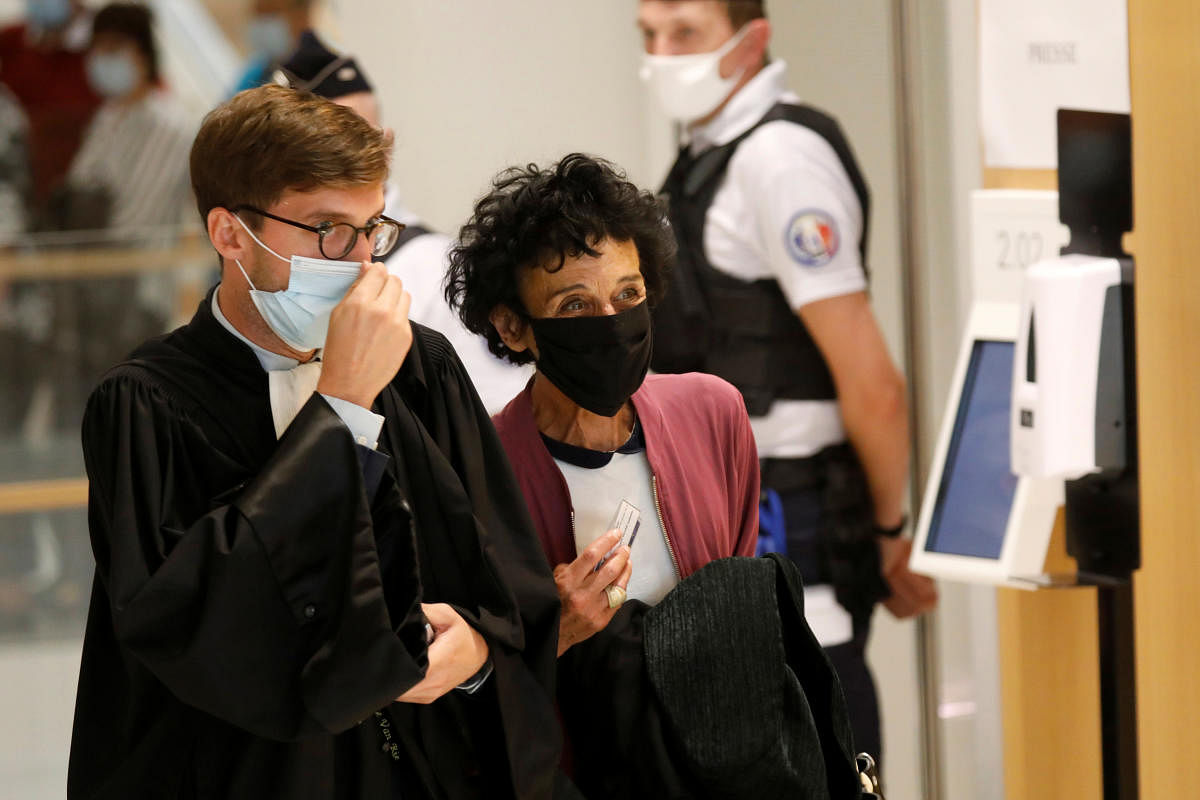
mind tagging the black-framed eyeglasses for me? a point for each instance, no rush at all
(337, 239)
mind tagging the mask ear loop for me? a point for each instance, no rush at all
(244, 275)
(259, 242)
(734, 40)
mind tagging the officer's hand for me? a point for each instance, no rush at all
(912, 594)
(585, 608)
(456, 653)
(369, 337)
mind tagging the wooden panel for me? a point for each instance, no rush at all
(1051, 689)
(1049, 662)
(43, 495)
(1164, 61)
(994, 178)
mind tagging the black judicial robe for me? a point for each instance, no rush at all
(256, 601)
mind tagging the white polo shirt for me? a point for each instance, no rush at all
(785, 210)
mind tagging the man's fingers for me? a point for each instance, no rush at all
(917, 586)
(440, 615)
(404, 304)
(389, 293)
(913, 594)
(370, 282)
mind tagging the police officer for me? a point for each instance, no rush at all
(770, 292)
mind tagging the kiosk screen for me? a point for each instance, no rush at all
(977, 487)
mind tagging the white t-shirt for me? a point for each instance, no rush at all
(597, 491)
(785, 210)
(421, 265)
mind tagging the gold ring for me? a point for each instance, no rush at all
(616, 595)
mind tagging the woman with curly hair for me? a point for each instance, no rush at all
(560, 267)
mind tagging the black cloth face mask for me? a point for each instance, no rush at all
(599, 362)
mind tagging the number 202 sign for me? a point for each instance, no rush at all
(1011, 229)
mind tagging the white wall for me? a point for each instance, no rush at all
(472, 87)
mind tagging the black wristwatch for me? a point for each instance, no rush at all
(893, 533)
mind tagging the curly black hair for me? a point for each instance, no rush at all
(537, 217)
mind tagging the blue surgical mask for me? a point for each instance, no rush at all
(270, 36)
(112, 75)
(48, 14)
(299, 314)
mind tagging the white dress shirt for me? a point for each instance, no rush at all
(289, 393)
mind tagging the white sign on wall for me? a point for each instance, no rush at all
(1011, 229)
(1037, 56)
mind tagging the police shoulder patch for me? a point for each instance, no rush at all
(812, 237)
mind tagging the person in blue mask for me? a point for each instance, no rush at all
(127, 184)
(315, 576)
(135, 149)
(273, 33)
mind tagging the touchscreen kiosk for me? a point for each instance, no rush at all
(979, 522)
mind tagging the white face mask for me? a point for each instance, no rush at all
(690, 87)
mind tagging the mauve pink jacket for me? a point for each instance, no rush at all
(702, 455)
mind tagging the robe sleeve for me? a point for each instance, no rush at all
(522, 628)
(262, 606)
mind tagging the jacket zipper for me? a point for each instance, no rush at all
(666, 535)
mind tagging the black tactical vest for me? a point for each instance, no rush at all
(744, 332)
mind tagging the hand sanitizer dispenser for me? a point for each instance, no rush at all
(1068, 409)
(1074, 400)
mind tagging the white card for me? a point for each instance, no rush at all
(627, 520)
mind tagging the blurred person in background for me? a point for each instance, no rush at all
(128, 181)
(14, 169)
(273, 33)
(420, 256)
(42, 63)
(770, 292)
(134, 154)
(22, 328)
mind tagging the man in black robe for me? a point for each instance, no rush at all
(268, 576)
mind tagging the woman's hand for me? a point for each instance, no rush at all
(456, 653)
(585, 607)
